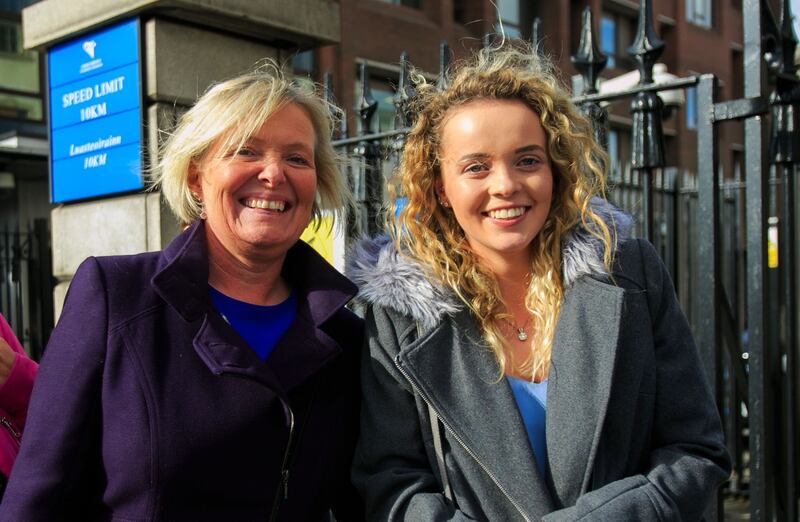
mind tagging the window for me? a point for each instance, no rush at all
(10, 37)
(691, 108)
(508, 13)
(617, 32)
(303, 64)
(608, 39)
(408, 3)
(698, 12)
(20, 81)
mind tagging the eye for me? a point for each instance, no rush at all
(243, 153)
(476, 168)
(298, 159)
(529, 161)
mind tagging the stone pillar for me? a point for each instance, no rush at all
(186, 46)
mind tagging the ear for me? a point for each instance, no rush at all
(194, 179)
(438, 188)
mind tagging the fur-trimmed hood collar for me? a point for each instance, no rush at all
(389, 279)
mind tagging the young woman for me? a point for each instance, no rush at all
(526, 359)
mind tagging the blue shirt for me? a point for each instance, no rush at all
(531, 400)
(260, 326)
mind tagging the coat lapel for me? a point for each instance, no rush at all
(459, 376)
(182, 281)
(581, 372)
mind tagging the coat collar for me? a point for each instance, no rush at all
(181, 280)
(582, 365)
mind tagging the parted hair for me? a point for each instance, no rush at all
(227, 115)
(429, 233)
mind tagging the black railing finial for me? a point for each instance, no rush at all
(366, 105)
(327, 87)
(647, 47)
(589, 60)
(337, 113)
(488, 41)
(785, 99)
(444, 62)
(537, 34)
(403, 94)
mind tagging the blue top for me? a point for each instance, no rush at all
(260, 326)
(531, 400)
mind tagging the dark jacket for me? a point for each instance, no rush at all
(149, 406)
(632, 431)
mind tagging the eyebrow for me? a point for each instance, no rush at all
(482, 155)
(293, 145)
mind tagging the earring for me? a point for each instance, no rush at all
(443, 202)
(202, 214)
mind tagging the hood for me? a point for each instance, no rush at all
(387, 278)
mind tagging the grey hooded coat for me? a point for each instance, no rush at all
(632, 431)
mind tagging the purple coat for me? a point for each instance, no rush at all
(149, 406)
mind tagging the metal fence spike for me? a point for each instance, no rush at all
(444, 62)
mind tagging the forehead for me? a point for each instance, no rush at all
(491, 124)
(288, 124)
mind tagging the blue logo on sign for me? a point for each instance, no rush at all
(95, 114)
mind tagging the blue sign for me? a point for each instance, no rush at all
(95, 114)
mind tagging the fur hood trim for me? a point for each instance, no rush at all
(391, 280)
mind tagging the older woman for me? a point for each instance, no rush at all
(217, 379)
(527, 360)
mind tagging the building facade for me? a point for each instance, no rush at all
(700, 36)
(26, 284)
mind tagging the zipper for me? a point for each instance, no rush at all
(283, 486)
(11, 429)
(450, 430)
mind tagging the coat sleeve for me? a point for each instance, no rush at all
(16, 390)
(391, 467)
(688, 460)
(49, 480)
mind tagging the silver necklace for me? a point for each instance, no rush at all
(520, 330)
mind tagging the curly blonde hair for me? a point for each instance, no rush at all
(230, 113)
(430, 234)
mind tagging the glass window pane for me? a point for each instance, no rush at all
(608, 39)
(508, 11)
(19, 69)
(20, 107)
(698, 12)
(613, 149)
(510, 31)
(691, 108)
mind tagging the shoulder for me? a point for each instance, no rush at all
(637, 262)
(346, 328)
(396, 286)
(121, 282)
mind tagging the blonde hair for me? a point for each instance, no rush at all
(230, 113)
(431, 234)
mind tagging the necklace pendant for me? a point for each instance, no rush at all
(521, 335)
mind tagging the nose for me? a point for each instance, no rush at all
(502, 181)
(272, 173)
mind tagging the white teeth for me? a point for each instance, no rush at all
(265, 204)
(506, 213)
